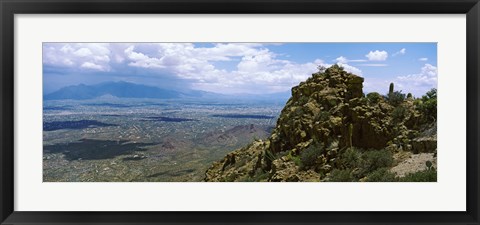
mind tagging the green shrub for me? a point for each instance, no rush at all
(294, 159)
(259, 176)
(399, 113)
(350, 158)
(270, 155)
(341, 176)
(428, 105)
(381, 175)
(421, 176)
(321, 68)
(230, 178)
(374, 97)
(297, 161)
(375, 159)
(309, 155)
(429, 165)
(432, 94)
(334, 69)
(323, 116)
(395, 98)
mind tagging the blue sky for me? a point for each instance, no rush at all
(232, 68)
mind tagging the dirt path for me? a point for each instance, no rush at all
(414, 163)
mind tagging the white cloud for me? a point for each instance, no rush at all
(377, 55)
(89, 65)
(402, 51)
(251, 68)
(83, 52)
(342, 59)
(77, 55)
(423, 59)
(257, 70)
(421, 82)
(351, 69)
(142, 60)
(417, 84)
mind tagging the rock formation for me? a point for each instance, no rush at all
(327, 115)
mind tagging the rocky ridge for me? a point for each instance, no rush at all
(327, 121)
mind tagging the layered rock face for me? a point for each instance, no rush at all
(329, 110)
(330, 105)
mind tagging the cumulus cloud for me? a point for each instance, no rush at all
(89, 65)
(417, 84)
(377, 55)
(421, 82)
(402, 51)
(351, 69)
(90, 56)
(253, 67)
(342, 59)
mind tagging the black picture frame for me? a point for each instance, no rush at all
(9, 8)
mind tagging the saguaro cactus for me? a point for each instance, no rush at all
(390, 90)
(350, 134)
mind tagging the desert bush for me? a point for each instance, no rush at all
(374, 97)
(230, 178)
(259, 176)
(395, 98)
(421, 176)
(270, 155)
(350, 158)
(309, 155)
(375, 159)
(341, 175)
(323, 116)
(381, 175)
(297, 161)
(399, 113)
(321, 68)
(429, 165)
(428, 105)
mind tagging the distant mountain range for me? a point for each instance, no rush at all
(117, 89)
(130, 90)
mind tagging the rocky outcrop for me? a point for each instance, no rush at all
(284, 170)
(331, 104)
(426, 142)
(330, 113)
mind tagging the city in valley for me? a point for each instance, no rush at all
(146, 139)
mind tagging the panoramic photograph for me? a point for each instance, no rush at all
(239, 112)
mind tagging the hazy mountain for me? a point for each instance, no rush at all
(116, 89)
(112, 90)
